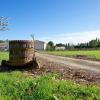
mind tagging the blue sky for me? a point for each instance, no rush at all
(57, 20)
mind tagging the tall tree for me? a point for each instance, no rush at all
(93, 43)
(50, 45)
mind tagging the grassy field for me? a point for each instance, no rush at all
(4, 56)
(18, 85)
(90, 53)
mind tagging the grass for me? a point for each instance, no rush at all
(18, 85)
(90, 53)
(4, 56)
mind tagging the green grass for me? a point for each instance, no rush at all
(4, 56)
(20, 86)
(91, 53)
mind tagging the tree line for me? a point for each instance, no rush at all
(95, 43)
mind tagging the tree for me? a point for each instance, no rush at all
(98, 42)
(50, 43)
(50, 46)
(66, 46)
(93, 43)
(3, 23)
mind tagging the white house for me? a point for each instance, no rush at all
(60, 48)
(40, 45)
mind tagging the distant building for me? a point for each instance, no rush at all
(40, 45)
(60, 48)
(4, 46)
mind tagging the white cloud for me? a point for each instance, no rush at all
(73, 38)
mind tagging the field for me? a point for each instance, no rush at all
(90, 53)
(18, 85)
(4, 56)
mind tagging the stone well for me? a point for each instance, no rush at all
(21, 52)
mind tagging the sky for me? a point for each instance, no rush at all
(61, 21)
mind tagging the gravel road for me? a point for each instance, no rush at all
(93, 66)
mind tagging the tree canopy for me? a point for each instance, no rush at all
(50, 46)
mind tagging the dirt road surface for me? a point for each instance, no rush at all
(93, 66)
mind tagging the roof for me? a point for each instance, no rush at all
(39, 41)
(60, 46)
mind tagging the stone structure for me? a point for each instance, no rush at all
(21, 54)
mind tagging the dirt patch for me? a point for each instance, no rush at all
(65, 72)
(85, 57)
